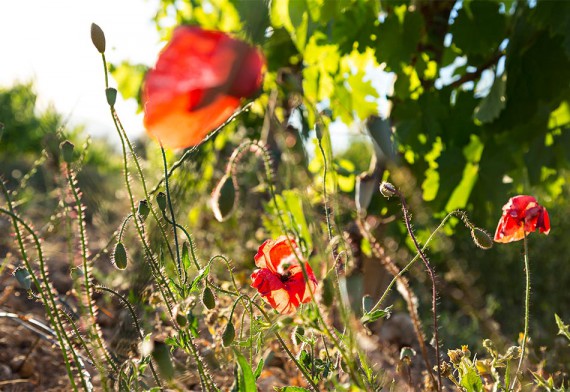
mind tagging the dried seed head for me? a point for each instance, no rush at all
(98, 38)
(387, 189)
(455, 356)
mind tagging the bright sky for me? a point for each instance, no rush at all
(49, 42)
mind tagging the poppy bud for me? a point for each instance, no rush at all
(67, 151)
(229, 334)
(181, 320)
(224, 198)
(298, 333)
(481, 238)
(23, 277)
(208, 298)
(111, 94)
(98, 38)
(143, 209)
(161, 201)
(328, 292)
(387, 190)
(120, 256)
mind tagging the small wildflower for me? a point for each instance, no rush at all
(521, 215)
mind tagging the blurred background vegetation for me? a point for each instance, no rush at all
(461, 104)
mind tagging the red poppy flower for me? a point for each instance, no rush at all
(197, 84)
(522, 214)
(280, 279)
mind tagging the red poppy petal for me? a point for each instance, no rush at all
(544, 221)
(197, 83)
(178, 128)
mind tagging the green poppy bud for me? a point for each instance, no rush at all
(111, 94)
(143, 209)
(67, 151)
(120, 256)
(161, 201)
(208, 298)
(229, 334)
(224, 198)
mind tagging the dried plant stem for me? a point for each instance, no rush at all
(526, 309)
(431, 272)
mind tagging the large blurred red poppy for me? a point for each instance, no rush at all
(522, 214)
(280, 279)
(197, 84)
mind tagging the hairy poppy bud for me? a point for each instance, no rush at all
(208, 298)
(229, 334)
(224, 198)
(143, 209)
(481, 238)
(98, 38)
(387, 189)
(67, 151)
(161, 201)
(120, 256)
(23, 277)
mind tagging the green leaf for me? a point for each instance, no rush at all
(129, 78)
(185, 256)
(201, 275)
(375, 315)
(563, 329)
(259, 368)
(492, 105)
(294, 16)
(479, 27)
(245, 380)
(292, 389)
(471, 381)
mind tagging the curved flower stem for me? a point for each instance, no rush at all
(526, 309)
(407, 221)
(174, 226)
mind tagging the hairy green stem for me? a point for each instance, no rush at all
(526, 309)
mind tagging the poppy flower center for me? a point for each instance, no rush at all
(284, 277)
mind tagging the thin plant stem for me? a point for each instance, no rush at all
(526, 309)
(135, 321)
(407, 221)
(171, 208)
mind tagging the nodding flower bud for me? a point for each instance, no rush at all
(481, 238)
(23, 277)
(513, 352)
(98, 38)
(120, 256)
(387, 189)
(143, 209)
(161, 201)
(111, 94)
(208, 298)
(229, 334)
(224, 198)
(67, 151)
